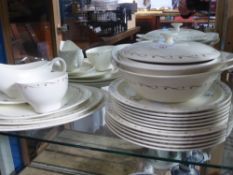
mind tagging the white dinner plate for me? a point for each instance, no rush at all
(169, 116)
(167, 139)
(5, 100)
(83, 69)
(108, 77)
(164, 146)
(208, 130)
(97, 101)
(173, 125)
(220, 94)
(76, 95)
(94, 74)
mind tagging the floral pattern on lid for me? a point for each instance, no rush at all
(168, 53)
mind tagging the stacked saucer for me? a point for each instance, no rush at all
(196, 124)
(79, 102)
(86, 74)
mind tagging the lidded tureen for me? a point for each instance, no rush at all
(168, 71)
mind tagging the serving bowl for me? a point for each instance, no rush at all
(10, 74)
(179, 88)
(46, 94)
(100, 57)
(169, 71)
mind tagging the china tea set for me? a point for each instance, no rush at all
(95, 70)
(32, 82)
(170, 97)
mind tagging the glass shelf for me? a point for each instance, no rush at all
(92, 134)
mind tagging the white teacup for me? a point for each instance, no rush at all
(72, 55)
(100, 57)
(45, 95)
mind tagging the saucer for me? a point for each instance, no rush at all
(7, 100)
(83, 69)
(75, 97)
(94, 74)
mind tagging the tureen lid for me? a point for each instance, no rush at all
(181, 34)
(169, 52)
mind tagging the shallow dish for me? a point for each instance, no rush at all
(5, 100)
(96, 101)
(83, 69)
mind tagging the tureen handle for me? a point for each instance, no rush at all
(58, 65)
(177, 26)
(228, 64)
(168, 37)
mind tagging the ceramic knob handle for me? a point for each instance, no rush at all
(177, 26)
(169, 38)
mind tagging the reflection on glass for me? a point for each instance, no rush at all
(30, 28)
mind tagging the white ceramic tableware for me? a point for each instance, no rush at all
(76, 96)
(181, 35)
(160, 69)
(218, 95)
(168, 52)
(170, 88)
(93, 104)
(46, 94)
(26, 72)
(85, 68)
(72, 54)
(100, 57)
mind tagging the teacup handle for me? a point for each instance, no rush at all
(58, 65)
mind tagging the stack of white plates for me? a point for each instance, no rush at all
(87, 75)
(79, 102)
(196, 124)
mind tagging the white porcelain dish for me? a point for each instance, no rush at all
(100, 57)
(85, 68)
(170, 89)
(159, 144)
(168, 139)
(10, 74)
(170, 116)
(5, 100)
(166, 53)
(175, 120)
(159, 69)
(173, 127)
(75, 97)
(217, 95)
(96, 101)
(181, 34)
(212, 129)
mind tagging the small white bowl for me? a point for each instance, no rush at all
(45, 95)
(100, 57)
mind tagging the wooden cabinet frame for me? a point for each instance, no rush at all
(55, 22)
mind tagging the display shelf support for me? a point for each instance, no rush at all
(6, 160)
